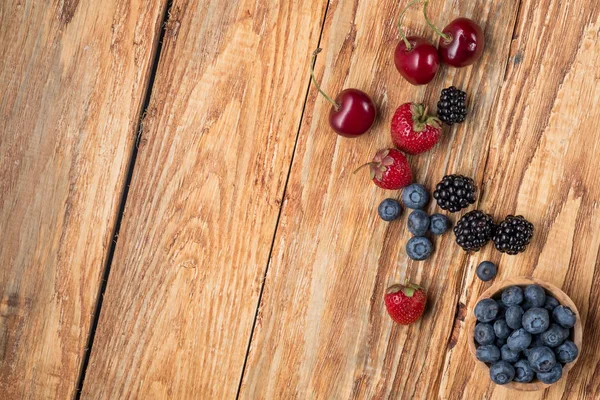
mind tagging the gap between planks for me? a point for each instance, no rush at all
(287, 179)
(154, 61)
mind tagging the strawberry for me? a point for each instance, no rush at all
(405, 303)
(413, 131)
(389, 169)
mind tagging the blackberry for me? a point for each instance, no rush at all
(474, 230)
(454, 192)
(513, 235)
(452, 107)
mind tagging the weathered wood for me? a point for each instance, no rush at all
(322, 329)
(542, 164)
(204, 200)
(73, 77)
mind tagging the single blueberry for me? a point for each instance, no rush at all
(523, 371)
(419, 248)
(554, 336)
(512, 296)
(484, 333)
(418, 222)
(486, 310)
(439, 224)
(513, 316)
(519, 340)
(535, 294)
(486, 271)
(551, 376)
(487, 353)
(551, 303)
(566, 352)
(501, 329)
(541, 359)
(536, 320)
(509, 355)
(415, 196)
(389, 209)
(502, 372)
(564, 316)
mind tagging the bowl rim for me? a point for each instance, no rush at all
(557, 293)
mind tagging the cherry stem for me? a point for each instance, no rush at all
(447, 38)
(312, 75)
(406, 42)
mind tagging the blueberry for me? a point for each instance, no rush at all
(566, 352)
(419, 248)
(564, 316)
(487, 353)
(486, 310)
(554, 336)
(439, 224)
(513, 316)
(415, 196)
(512, 296)
(418, 222)
(519, 340)
(526, 305)
(501, 329)
(551, 303)
(389, 209)
(551, 376)
(536, 341)
(500, 342)
(509, 355)
(541, 359)
(536, 295)
(486, 271)
(501, 309)
(536, 320)
(484, 333)
(502, 372)
(523, 371)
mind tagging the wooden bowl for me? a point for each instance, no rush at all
(576, 334)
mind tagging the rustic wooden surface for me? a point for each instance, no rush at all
(232, 278)
(73, 76)
(206, 192)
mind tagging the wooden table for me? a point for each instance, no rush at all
(178, 220)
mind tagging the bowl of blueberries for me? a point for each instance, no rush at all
(525, 333)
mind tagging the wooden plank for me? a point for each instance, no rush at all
(322, 329)
(204, 201)
(542, 164)
(73, 76)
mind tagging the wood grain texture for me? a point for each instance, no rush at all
(322, 330)
(495, 291)
(73, 76)
(204, 200)
(542, 165)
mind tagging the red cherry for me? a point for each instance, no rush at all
(465, 44)
(415, 57)
(355, 114)
(461, 42)
(419, 62)
(352, 113)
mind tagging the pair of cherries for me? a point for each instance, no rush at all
(461, 44)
